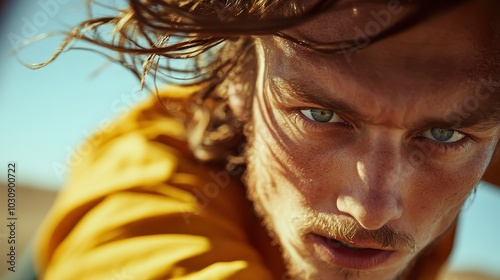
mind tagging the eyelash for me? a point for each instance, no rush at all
(445, 147)
(317, 127)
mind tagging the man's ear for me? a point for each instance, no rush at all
(492, 174)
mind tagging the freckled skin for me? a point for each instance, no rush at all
(376, 170)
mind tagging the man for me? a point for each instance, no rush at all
(367, 125)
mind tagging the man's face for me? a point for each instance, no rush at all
(359, 161)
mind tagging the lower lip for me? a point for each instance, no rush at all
(342, 256)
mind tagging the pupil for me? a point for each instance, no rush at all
(441, 134)
(320, 115)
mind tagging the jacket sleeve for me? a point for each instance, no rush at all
(137, 208)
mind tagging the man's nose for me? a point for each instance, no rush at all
(374, 197)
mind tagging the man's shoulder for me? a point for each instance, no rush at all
(140, 171)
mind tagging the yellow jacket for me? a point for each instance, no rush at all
(139, 206)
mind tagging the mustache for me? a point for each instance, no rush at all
(344, 228)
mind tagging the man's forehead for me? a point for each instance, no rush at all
(439, 45)
(337, 22)
(363, 21)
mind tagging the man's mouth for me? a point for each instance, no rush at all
(359, 255)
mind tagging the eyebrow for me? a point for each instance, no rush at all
(292, 89)
(482, 118)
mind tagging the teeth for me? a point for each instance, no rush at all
(336, 244)
(348, 246)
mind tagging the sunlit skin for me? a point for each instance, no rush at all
(386, 145)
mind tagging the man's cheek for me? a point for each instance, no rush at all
(291, 186)
(434, 198)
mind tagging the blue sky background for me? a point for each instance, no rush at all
(44, 114)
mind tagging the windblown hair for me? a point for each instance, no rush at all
(217, 37)
(214, 37)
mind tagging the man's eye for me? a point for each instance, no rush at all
(443, 135)
(321, 115)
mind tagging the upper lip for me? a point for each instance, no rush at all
(359, 241)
